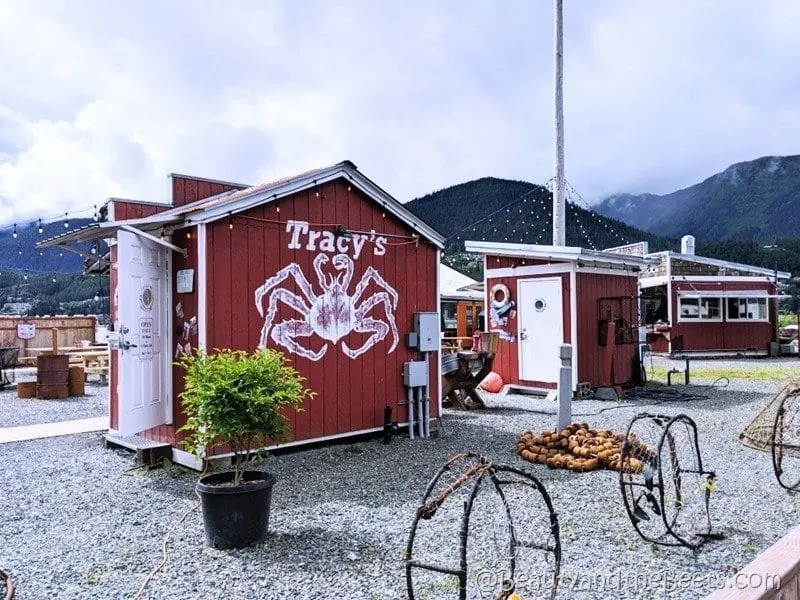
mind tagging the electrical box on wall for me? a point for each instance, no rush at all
(415, 374)
(426, 324)
(412, 339)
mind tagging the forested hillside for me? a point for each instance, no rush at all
(48, 281)
(503, 210)
(754, 200)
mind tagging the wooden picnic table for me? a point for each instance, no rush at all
(459, 388)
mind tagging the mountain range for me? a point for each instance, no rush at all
(755, 200)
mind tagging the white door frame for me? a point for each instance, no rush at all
(166, 341)
(521, 281)
(573, 316)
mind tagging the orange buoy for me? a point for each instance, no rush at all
(493, 383)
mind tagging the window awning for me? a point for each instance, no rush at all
(691, 294)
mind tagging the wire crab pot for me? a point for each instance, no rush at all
(483, 530)
(664, 486)
(785, 443)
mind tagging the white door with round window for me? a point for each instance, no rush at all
(541, 329)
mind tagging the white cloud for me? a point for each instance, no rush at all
(105, 99)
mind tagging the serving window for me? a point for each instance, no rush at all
(747, 309)
(700, 309)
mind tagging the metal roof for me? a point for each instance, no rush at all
(723, 264)
(224, 204)
(558, 253)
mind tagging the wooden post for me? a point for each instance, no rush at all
(608, 355)
(54, 330)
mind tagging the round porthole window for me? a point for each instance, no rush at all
(146, 298)
(539, 305)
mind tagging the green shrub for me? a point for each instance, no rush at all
(237, 399)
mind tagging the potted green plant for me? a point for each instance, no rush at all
(235, 401)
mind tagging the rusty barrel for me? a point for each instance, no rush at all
(26, 389)
(77, 381)
(52, 376)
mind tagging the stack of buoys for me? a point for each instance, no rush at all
(580, 448)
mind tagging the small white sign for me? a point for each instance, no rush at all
(26, 331)
(146, 338)
(185, 281)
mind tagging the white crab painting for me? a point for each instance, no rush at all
(331, 315)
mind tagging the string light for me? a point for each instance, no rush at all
(41, 228)
(66, 221)
(14, 234)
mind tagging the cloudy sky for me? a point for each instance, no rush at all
(102, 99)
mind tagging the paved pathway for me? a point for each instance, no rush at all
(45, 430)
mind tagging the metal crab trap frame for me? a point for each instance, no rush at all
(483, 530)
(776, 430)
(664, 487)
(785, 443)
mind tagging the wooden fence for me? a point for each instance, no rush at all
(70, 331)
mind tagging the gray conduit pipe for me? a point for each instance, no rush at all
(420, 415)
(409, 397)
(426, 411)
(426, 402)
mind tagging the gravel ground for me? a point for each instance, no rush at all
(76, 526)
(30, 411)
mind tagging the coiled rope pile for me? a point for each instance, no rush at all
(580, 448)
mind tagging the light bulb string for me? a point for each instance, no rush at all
(59, 218)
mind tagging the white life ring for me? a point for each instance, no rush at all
(506, 295)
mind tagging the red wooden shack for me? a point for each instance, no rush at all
(539, 297)
(703, 306)
(225, 265)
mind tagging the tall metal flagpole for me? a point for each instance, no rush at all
(559, 234)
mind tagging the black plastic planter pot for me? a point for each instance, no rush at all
(235, 517)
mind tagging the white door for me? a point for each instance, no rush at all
(143, 328)
(541, 328)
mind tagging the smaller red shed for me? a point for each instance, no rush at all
(324, 266)
(540, 297)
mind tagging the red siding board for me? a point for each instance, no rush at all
(187, 189)
(351, 393)
(724, 335)
(338, 196)
(131, 209)
(315, 408)
(590, 287)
